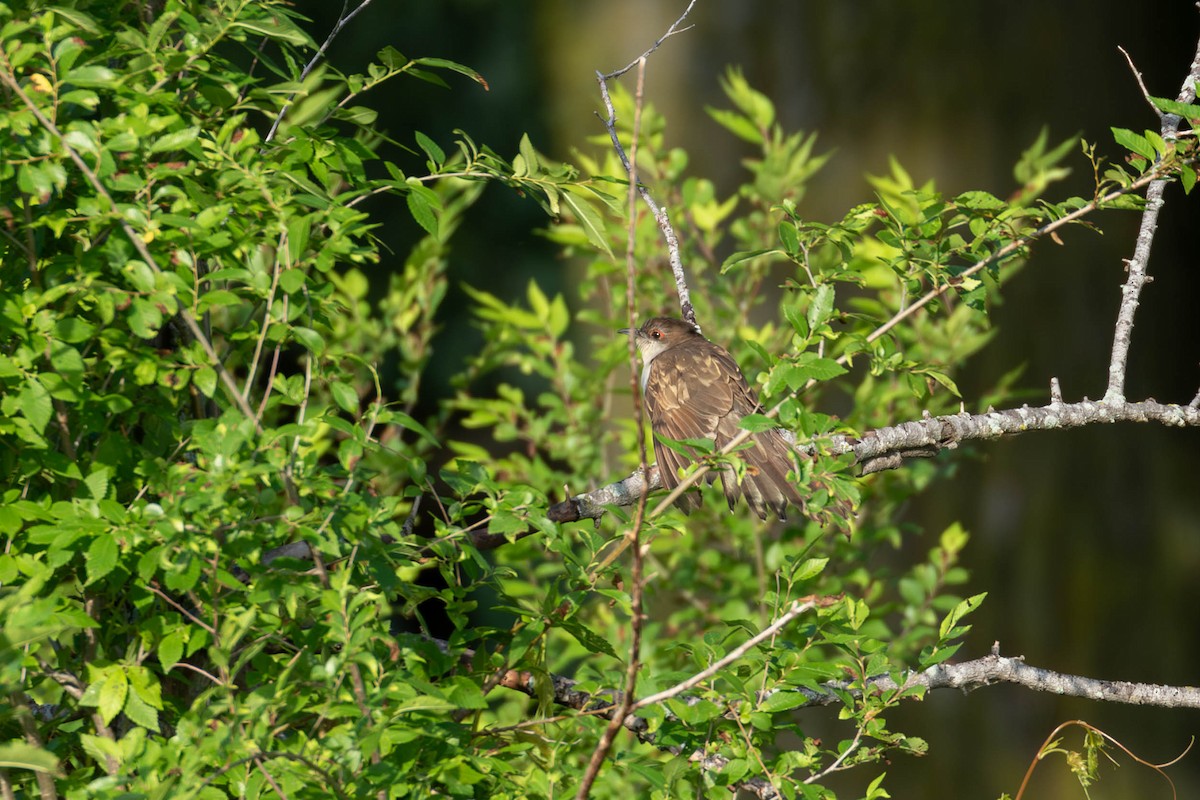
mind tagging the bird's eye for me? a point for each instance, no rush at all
(656, 333)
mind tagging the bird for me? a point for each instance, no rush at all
(694, 389)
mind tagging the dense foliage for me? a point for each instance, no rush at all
(190, 352)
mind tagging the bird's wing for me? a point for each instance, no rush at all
(686, 397)
(699, 392)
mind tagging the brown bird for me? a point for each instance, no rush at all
(694, 390)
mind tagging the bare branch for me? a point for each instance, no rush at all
(343, 19)
(1138, 276)
(1138, 77)
(732, 656)
(660, 213)
(671, 31)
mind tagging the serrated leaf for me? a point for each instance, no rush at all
(816, 368)
(405, 421)
(422, 212)
(533, 164)
(140, 712)
(1189, 111)
(746, 255)
(789, 236)
(34, 402)
(97, 482)
(736, 124)
(809, 569)
(102, 556)
(821, 306)
(757, 422)
(312, 341)
(114, 689)
(1134, 142)
(592, 642)
(782, 701)
(91, 76)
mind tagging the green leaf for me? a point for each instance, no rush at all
(74, 330)
(589, 219)
(18, 755)
(422, 210)
(1189, 111)
(345, 396)
(821, 306)
(310, 339)
(1134, 142)
(817, 368)
(758, 422)
(453, 66)
(102, 556)
(1187, 177)
(405, 421)
(592, 642)
(34, 402)
(176, 140)
(170, 649)
(97, 482)
(809, 569)
(205, 380)
(738, 258)
(782, 701)
(91, 76)
(114, 689)
(436, 155)
(532, 162)
(949, 627)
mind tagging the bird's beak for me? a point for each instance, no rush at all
(628, 331)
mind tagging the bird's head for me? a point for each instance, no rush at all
(659, 334)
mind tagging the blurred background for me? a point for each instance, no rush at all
(1088, 542)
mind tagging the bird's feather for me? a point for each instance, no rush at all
(697, 392)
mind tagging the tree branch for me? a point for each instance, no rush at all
(887, 448)
(633, 536)
(343, 19)
(1137, 275)
(967, 676)
(660, 213)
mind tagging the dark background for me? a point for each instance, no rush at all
(1088, 542)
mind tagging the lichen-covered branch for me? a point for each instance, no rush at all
(982, 672)
(888, 448)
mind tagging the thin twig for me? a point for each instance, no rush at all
(660, 214)
(1042, 751)
(343, 20)
(1137, 76)
(634, 536)
(732, 656)
(671, 31)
